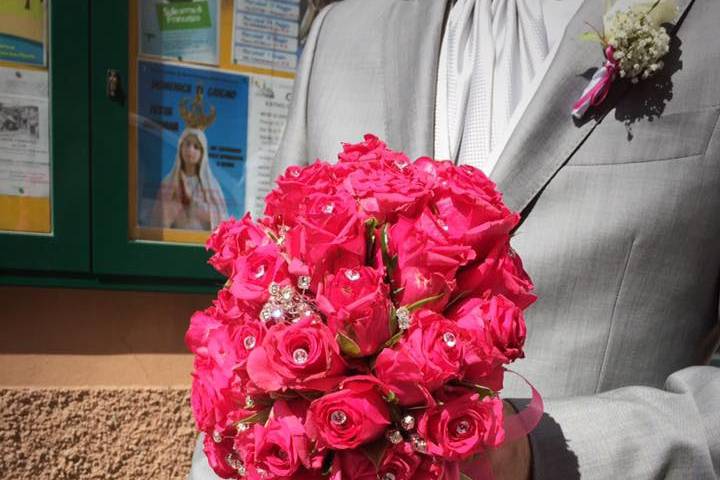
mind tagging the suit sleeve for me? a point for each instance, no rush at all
(634, 432)
(293, 148)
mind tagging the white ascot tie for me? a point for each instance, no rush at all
(491, 52)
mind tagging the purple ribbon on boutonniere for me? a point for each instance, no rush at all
(599, 86)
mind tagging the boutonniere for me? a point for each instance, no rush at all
(634, 40)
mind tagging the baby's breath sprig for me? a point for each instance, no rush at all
(634, 41)
(637, 36)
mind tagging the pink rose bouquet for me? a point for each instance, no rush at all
(365, 326)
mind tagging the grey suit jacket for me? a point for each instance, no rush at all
(620, 229)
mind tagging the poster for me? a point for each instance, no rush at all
(266, 34)
(24, 132)
(191, 146)
(185, 30)
(22, 31)
(269, 104)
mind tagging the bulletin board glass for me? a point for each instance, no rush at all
(25, 180)
(44, 137)
(210, 83)
(204, 88)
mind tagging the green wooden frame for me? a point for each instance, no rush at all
(67, 248)
(113, 252)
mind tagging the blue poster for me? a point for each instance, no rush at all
(191, 146)
(186, 30)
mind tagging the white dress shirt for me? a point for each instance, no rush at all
(493, 56)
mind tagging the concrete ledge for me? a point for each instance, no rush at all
(139, 433)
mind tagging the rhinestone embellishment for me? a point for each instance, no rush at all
(403, 318)
(260, 272)
(286, 303)
(249, 342)
(394, 436)
(300, 356)
(352, 275)
(462, 427)
(338, 417)
(418, 443)
(449, 339)
(303, 282)
(407, 422)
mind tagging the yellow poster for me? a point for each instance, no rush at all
(23, 35)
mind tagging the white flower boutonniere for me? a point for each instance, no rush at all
(634, 40)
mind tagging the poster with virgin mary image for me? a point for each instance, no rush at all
(191, 147)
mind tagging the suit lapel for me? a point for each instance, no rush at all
(411, 46)
(547, 136)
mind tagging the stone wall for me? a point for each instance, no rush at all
(95, 433)
(95, 384)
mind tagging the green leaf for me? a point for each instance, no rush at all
(394, 339)
(390, 262)
(591, 37)
(258, 417)
(391, 397)
(482, 390)
(348, 345)
(663, 11)
(370, 225)
(309, 396)
(414, 306)
(392, 321)
(464, 477)
(384, 241)
(375, 451)
(456, 299)
(395, 412)
(327, 463)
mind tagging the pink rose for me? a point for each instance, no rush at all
(475, 221)
(446, 178)
(463, 426)
(356, 303)
(497, 318)
(214, 377)
(401, 461)
(501, 272)
(386, 189)
(352, 465)
(217, 454)
(350, 417)
(254, 273)
(232, 239)
(239, 319)
(428, 259)
(210, 398)
(230, 309)
(287, 201)
(299, 356)
(281, 447)
(201, 325)
(437, 469)
(329, 236)
(430, 354)
(371, 148)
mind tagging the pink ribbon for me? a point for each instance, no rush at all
(516, 427)
(599, 85)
